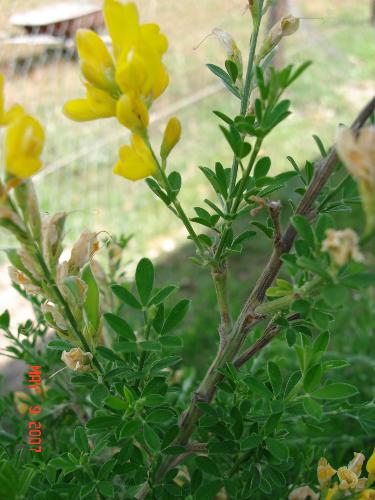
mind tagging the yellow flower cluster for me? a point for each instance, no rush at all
(350, 483)
(24, 139)
(123, 85)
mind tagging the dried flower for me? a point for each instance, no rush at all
(303, 493)
(342, 246)
(324, 472)
(231, 48)
(77, 360)
(348, 478)
(21, 279)
(82, 251)
(358, 154)
(286, 26)
(356, 463)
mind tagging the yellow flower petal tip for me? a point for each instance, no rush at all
(171, 137)
(136, 161)
(24, 142)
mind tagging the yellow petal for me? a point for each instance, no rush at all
(96, 62)
(1, 96)
(101, 102)
(136, 161)
(132, 112)
(151, 34)
(23, 166)
(79, 110)
(161, 82)
(370, 466)
(122, 24)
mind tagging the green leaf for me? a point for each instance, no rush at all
(223, 117)
(292, 382)
(232, 69)
(108, 353)
(106, 488)
(124, 295)
(225, 78)
(150, 345)
(151, 438)
(130, 428)
(336, 391)
(321, 343)
(251, 442)
(262, 167)
(176, 315)
(312, 378)
(60, 345)
(98, 394)
(161, 416)
(359, 280)
(258, 387)
(120, 326)
(162, 294)
(104, 422)
(80, 439)
(277, 448)
(155, 188)
(4, 320)
(116, 403)
(275, 377)
(312, 408)
(123, 346)
(207, 465)
(144, 279)
(303, 227)
(171, 342)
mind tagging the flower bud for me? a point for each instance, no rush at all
(132, 112)
(342, 246)
(286, 26)
(77, 360)
(172, 135)
(358, 155)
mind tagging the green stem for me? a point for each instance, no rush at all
(175, 202)
(219, 277)
(333, 193)
(142, 359)
(246, 90)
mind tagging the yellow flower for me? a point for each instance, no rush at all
(370, 467)
(324, 472)
(98, 104)
(136, 161)
(358, 154)
(171, 137)
(348, 478)
(342, 246)
(96, 62)
(132, 112)
(77, 360)
(368, 494)
(135, 71)
(24, 141)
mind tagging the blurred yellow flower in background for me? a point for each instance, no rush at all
(24, 142)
